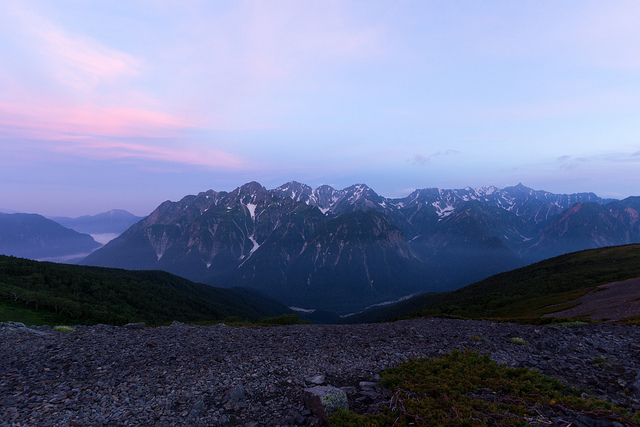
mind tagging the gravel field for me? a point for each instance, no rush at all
(255, 376)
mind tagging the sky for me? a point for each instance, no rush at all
(123, 104)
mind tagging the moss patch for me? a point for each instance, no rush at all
(469, 389)
(518, 341)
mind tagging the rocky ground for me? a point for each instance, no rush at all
(255, 376)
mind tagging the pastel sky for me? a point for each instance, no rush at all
(126, 103)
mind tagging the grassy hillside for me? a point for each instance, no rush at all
(45, 293)
(525, 292)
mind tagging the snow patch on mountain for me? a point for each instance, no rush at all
(256, 245)
(251, 207)
(443, 211)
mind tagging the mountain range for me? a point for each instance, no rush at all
(345, 250)
(36, 237)
(60, 239)
(114, 221)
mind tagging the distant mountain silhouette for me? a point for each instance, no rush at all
(114, 221)
(36, 237)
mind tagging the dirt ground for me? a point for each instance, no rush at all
(613, 301)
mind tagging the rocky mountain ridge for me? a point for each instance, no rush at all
(347, 249)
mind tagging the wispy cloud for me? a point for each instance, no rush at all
(97, 133)
(77, 61)
(54, 122)
(421, 160)
(570, 162)
(87, 104)
(175, 153)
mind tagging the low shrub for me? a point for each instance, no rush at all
(285, 319)
(469, 389)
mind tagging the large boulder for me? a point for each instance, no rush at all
(325, 400)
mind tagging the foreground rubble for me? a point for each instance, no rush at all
(256, 376)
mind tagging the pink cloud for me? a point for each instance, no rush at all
(52, 121)
(87, 109)
(105, 149)
(75, 60)
(94, 61)
(88, 132)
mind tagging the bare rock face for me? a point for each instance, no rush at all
(325, 400)
(316, 379)
(21, 328)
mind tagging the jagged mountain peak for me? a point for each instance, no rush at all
(252, 188)
(251, 194)
(487, 191)
(423, 192)
(293, 186)
(310, 245)
(519, 188)
(298, 191)
(359, 192)
(325, 187)
(358, 187)
(208, 194)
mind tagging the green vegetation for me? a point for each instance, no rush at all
(518, 341)
(47, 293)
(285, 319)
(602, 361)
(572, 323)
(633, 320)
(62, 328)
(18, 312)
(468, 389)
(530, 292)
